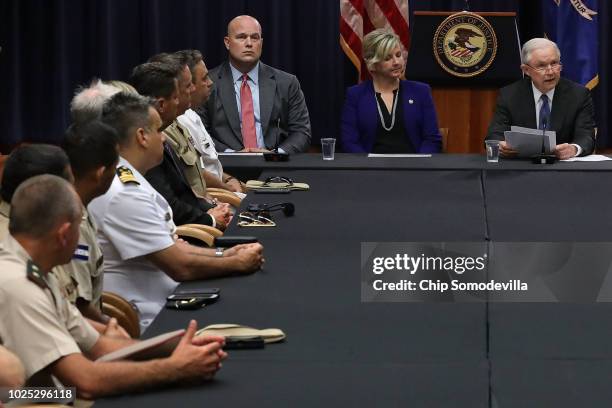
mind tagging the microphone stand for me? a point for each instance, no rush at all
(543, 157)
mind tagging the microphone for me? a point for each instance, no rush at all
(543, 157)
(287, 208)
(467, 5)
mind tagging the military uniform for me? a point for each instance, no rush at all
(182, 143)
(85, 269)
(5, 211)
(133, 221)
(36, 322)
(209, 160)
(67, 284)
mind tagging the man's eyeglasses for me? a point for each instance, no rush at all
(555, 66)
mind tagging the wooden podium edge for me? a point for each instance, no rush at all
(465, 111)
(480, 13)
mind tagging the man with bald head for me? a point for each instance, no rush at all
(254, 107)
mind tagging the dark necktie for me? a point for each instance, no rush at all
(544, 113)
(249, 136)
(174, 162)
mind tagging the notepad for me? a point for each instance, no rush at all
(135, 348)
(590, 158)
(528, 142)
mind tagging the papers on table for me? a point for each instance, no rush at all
(398, 155)
(591, 158)
(238, 154)
(528, 142)
(135, 348)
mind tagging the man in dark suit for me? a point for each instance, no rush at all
(254, 107)
(158, 80)
(544, 100)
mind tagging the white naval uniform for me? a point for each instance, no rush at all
(134, 220)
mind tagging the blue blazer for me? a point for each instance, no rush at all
(360, 118)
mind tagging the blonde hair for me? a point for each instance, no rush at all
(122, 86)
(377, 45)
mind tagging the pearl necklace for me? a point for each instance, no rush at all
(382, 119)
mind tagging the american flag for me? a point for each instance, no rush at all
(461, 52)
(359, 17)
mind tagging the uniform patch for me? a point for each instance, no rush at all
(81, 252)
(126, 176)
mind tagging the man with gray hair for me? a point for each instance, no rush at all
(545, 101)
(87, 103)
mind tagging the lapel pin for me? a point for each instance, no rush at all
(410, 101)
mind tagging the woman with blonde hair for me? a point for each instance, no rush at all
(387, 114)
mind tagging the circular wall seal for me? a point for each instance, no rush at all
(465, 44)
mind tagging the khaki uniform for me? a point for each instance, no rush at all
(36, 322)
(183, 145)
(5, 211)
(67, 284)
(85, 269)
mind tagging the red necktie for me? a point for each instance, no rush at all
(249, 136)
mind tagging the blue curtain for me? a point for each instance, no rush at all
(49, 47)
(52, 46)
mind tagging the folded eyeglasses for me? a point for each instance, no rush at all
(255, 219)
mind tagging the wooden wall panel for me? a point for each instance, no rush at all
(466, 113)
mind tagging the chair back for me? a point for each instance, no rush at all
(126, 314)
(444, 133)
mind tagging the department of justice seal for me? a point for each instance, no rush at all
(465, 44)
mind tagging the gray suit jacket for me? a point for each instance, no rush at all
(284, 116)
(571, 115)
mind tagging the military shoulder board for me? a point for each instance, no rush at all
(35, 275)
(126, 176)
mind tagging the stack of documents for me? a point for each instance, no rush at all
(528, 142)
